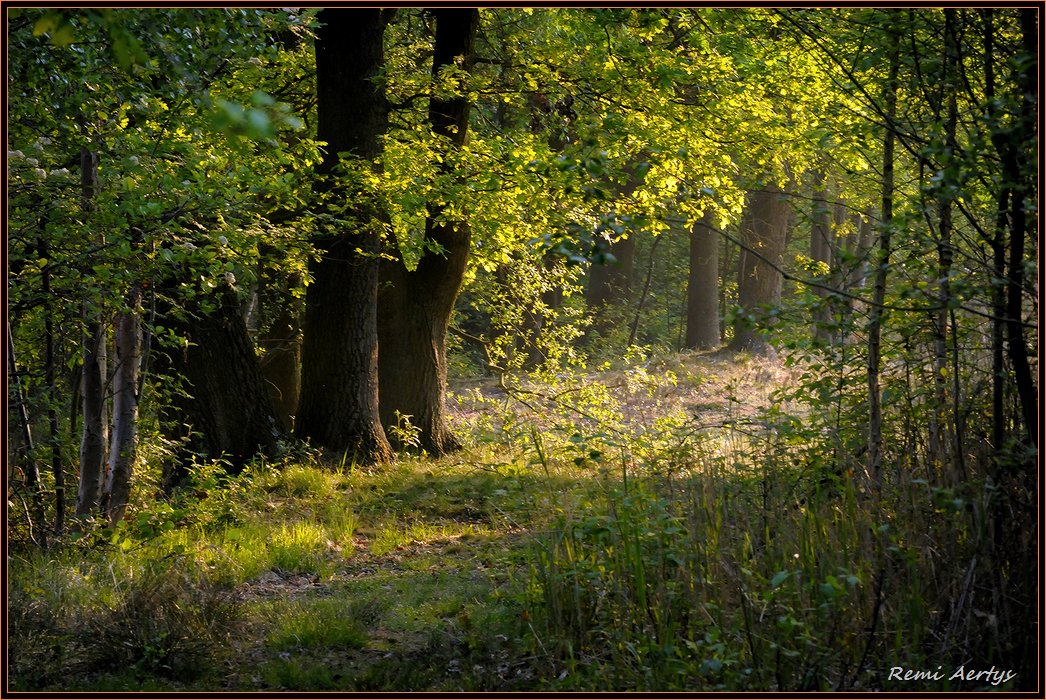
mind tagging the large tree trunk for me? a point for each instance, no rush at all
(702, 289)
(125, 409)
(338, 408)
(227, 413)
(415, 305)
(764, 230)
(610, 283)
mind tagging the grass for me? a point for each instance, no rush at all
(591, 538)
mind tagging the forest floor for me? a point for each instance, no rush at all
(515, 564)
(442, 550)
(418, 578)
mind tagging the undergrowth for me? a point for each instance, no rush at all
(670, 523)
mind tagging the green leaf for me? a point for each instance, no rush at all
(63, 36)
(47, 24)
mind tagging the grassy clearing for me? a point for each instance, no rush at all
(675, 525)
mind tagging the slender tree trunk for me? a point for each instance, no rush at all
(702, 288)
(338, 406)
(415, 305)
(95, 434)
(535, 319)
(93, 373)
(634, 330)
(881, 268)
(1018, 170)
(281, 364)
(54, 437)
(822, 240)
(764, 228)
(938, 439)
(31, 469)
(124, 446)
(998, 246)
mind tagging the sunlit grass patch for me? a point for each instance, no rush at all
(396, 533)
(303, 481)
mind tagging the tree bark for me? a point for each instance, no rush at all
(611, 283)
(93, 374)
(227, 412)
(415, 305)
(95, 432)
(822, 239)
(338, 407)
(764, 228)
(998, 246)
(938, 440)
(124, 446)
(702, 289)
(281, 364)
(54, 437)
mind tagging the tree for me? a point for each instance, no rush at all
(124, 446)
(338, 407)
(93, 374)
(223, 411)
(415, 304)
(172, 191)
(702, 299)
(764, 229)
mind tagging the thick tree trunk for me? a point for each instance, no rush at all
(764, 229)
(415, 305)
(611, 283)
(124, 446)
(227, 412)
(338, 407)
(702, 289)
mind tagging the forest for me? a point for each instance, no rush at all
(522, 349)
